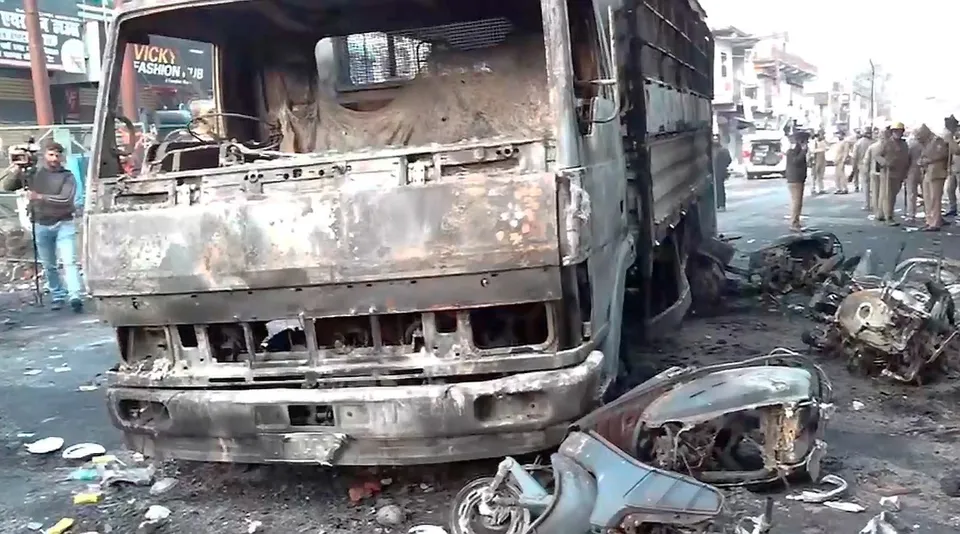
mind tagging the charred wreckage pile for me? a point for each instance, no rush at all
(901, 325)
(652, 462)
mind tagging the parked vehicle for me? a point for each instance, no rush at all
(764, 154)
(408, 256)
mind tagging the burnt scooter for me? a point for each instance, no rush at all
(632, 466)
(794, 262)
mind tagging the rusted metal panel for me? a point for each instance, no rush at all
(517, 286)
(474, 224)
(680, 168)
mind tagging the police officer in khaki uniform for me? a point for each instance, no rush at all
(844, 149)
(818, 158)
(864, 141)
(896, 161)
(871, 171)
(934, 158)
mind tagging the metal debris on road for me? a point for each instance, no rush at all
(879, 524)
(851, 507)
(817, 497)
(890, 504)
(33, 372)
(857, 406)
(87, 387)
(427, 529)
(761, 523)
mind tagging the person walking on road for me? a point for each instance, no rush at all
(934, 158)
(721, 171)
(896, 161)
(914, 178)
(844, 148)
(796, 177)
(52, 193)
(859, 152)
(818, 155)
(871, 168)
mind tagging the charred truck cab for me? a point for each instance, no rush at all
(405, 231)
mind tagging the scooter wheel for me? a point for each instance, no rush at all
(467, 517)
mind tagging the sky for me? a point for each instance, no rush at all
(912, 39)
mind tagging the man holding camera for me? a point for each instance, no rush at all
(51, 189)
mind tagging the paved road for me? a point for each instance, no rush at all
(868, 447)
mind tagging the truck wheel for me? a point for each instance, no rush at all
(708, 283)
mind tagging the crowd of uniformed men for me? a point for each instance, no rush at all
(883, 162)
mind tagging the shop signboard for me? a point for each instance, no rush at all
(61, 27)
(175, 63)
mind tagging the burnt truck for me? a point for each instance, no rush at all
(404, 231)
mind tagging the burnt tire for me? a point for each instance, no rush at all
(465, 517)
(708, 283)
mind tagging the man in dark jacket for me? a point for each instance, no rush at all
(721, 171)
(52, 192)
(796, 176)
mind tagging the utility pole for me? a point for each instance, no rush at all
(128, 82)
(873, 93)
(38, 64)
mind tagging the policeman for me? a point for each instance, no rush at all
(934, 159)
(844, 148)
(818, 156)
(859, 151)
(871, 167)
(895, 157)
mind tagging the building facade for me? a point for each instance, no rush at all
(758, 84)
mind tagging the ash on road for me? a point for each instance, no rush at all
(898, 441)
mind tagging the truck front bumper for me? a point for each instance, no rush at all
(392, 425)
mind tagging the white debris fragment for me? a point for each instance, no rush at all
(427, 529)
(157, 513)
(857, 405)
(879, 524)
(45, 445)
(87, 387)
(162, 486)
(23, 435)
(33, 372)
(62, 369)
(816, 496)
(253, 526)
(82, 451)
(390, 515)
(33, 525)
(891, 504)
(851, 507)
